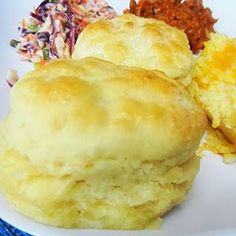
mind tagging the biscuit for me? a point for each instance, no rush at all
(90, 144)
(135, 41)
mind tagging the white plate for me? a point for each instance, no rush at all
(210, 208)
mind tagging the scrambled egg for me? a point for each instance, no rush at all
(214, 88)
(217, 143)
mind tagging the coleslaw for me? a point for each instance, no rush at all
(54, 26)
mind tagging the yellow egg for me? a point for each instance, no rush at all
(214, 86)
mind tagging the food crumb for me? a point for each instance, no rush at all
(12, 77)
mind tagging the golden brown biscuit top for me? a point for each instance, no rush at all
(74, 113)
(135, 41)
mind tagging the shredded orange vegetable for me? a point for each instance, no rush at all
(189, 15)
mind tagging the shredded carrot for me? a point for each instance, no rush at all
(23, 23)
(189, 15)
(42, 62)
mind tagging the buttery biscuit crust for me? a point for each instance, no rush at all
(135, 41)
(91, 144)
